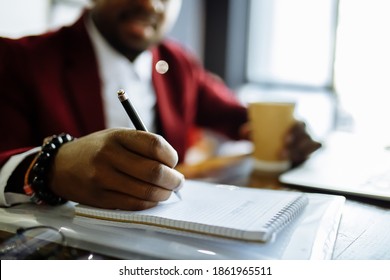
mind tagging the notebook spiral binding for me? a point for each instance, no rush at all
(287, 214)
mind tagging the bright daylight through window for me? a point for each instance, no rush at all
(342, 45)
(362, 68)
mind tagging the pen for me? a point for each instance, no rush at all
(130, 110)
(134, 117)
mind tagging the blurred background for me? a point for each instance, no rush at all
(331, 57)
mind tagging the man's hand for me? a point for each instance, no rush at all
(116, 168)
(299, 145)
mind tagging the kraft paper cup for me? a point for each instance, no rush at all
(270, 123)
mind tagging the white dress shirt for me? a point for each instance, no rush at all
(116, 72)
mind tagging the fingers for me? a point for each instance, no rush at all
(148, 171)
(116, 200)
(150, 160)
(144, 168)
(148, 145)
(299, 144)
(302, 150)
(126, 193)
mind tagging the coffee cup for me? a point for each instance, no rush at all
(270, 123)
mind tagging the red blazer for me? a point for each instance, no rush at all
(50, 84)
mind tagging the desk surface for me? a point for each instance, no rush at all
(364, 231)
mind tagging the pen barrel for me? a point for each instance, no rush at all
(130, 110)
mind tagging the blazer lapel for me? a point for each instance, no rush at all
(83, 80)
(171, 118)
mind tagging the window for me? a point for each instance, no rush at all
(22, 17)
(362, 67)
(340, 45)
(26, 17)
(291, 42)
(291, 57)
(65, 12)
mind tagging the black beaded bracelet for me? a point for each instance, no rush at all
(35, 181)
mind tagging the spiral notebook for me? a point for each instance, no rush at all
(225, 211)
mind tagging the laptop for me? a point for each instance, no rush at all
(346, 164)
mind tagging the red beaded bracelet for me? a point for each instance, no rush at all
(35, 179)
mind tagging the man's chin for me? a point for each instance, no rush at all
(139, 45)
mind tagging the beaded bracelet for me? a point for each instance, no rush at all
(39, 169)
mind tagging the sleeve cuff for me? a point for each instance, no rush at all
(8, 199)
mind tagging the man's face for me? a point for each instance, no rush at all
(131, 26)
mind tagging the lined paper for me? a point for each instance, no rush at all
(219, 210)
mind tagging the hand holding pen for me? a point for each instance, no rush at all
(137, 121)
(116, 168)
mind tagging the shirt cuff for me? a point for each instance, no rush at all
(8, 199)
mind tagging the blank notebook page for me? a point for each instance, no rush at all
(219, 210)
